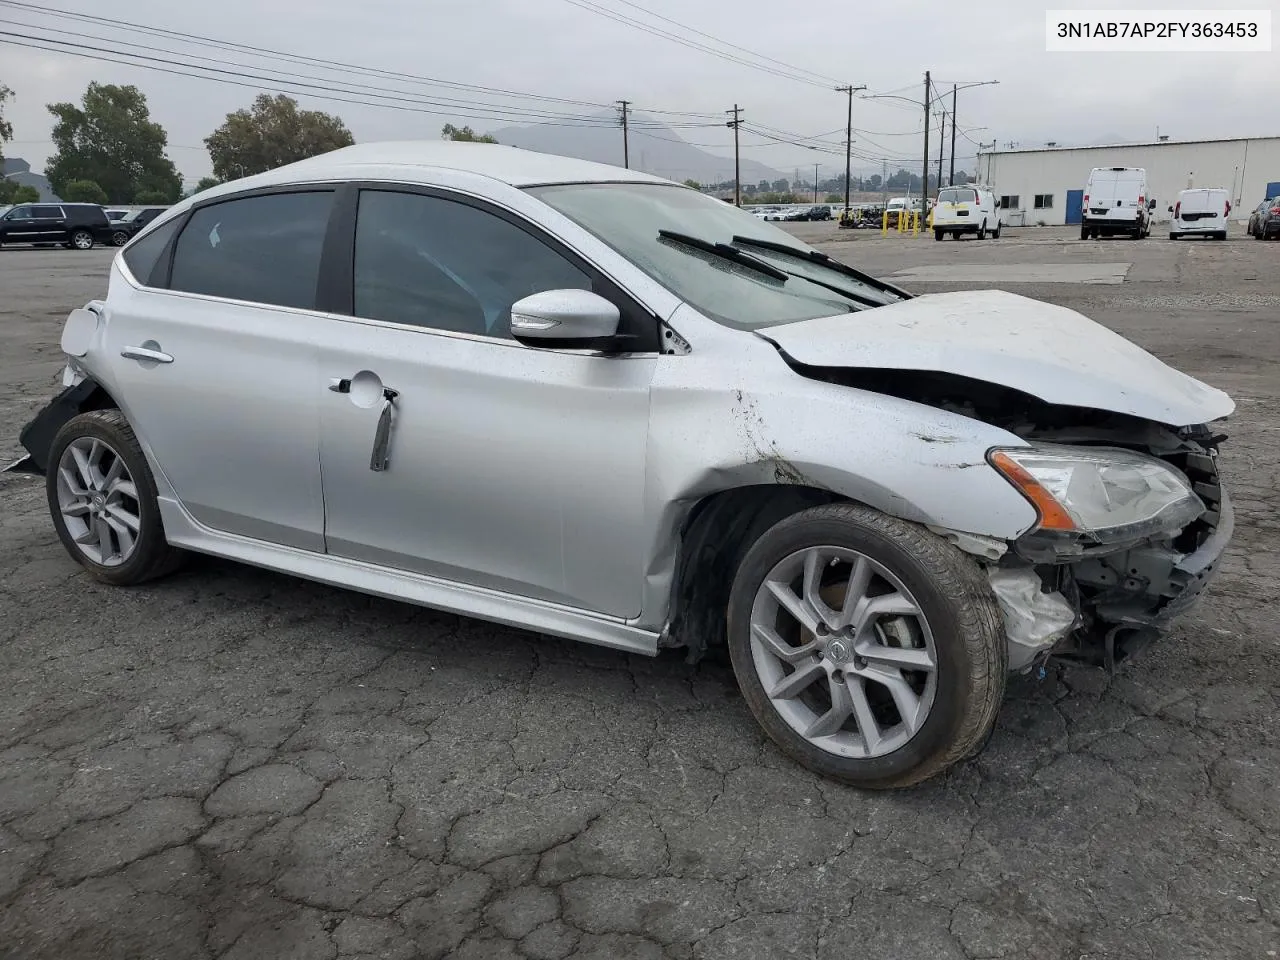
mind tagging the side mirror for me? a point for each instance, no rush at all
(1151, 205)
(568, 319)
(1171, 209)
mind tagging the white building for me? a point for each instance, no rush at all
(1047, 185)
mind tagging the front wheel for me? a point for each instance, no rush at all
(995, 234)
(103, 501)
(868, 649)
(982, 231)
(937, 234)
(119, 238)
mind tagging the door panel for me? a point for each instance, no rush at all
(232, 421)
(511, 468)
(516, 469)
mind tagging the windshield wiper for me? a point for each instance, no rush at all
(726, 252)
(813, 256)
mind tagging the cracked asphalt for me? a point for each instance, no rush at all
(234, 764)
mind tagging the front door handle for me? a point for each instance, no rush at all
(146, 353)
(381, 457)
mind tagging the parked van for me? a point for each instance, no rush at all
(968, 209)
(901, 205)
(1116, 201)
(1201, 212)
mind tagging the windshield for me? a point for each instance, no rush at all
(630, 216)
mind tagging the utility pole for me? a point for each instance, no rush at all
(951, 180)
(626, 149)
(737, 164)
(941, 142)
(848, 140)
(815, 183)
(924, 178)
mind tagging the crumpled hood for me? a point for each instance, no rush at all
(1050, 352)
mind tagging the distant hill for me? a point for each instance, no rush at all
(655, 149)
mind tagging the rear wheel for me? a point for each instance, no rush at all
(1084, 233)
(1220, 235)
(119, 238)
(82, 240)
(103, 501)
(1173, 236)
(867, 648)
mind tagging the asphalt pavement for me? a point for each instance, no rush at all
(235, 764)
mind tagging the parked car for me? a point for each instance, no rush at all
(880, 518)
(968, 209)
(1264, 221)
(821, 211)
(78, 225)
(1200, 212)
(133, 223)
(1116, 201)
(114, 215)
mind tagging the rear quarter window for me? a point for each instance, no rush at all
(143, 255)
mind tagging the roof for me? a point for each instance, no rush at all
(1125, 146)
(519, 168)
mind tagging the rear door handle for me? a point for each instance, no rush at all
(146, 353)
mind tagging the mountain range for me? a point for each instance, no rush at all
(654, 147)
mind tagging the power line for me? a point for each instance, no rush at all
(608, 14)
(726, 43)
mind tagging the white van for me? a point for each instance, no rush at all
(1116, 201)
(968, 209)
(900, 205)
(1201, 212)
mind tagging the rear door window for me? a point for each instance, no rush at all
(263, 249)
(47, 213)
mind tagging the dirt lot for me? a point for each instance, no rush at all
(235, 764)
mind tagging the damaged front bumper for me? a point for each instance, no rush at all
(1104, 602)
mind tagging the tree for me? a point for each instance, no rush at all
(152, 198)
(11, 192)
(205, 183)
(272, 133)
(6, 128)
(781, 186)
(694, 184)
(464, 135)
(111, 139)
(84, 191)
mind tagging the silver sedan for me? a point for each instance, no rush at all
(592, 403)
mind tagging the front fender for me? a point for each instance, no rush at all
(768, 424)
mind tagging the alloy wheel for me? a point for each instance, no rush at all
(98, 501)
(82, 240)
(843, 652)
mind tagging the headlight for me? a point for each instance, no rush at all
(1106, 493)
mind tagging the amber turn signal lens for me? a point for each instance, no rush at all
(1052, 514)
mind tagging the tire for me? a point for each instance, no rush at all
(954, 609)
(1084, 233)
(82, 240)
(982, 231)
(995, 234)
(1220, 235)
(1174, 236)
(151, 555)
(938, 234)
(119, 238)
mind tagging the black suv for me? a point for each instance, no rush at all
(76, 225)
(133, 224)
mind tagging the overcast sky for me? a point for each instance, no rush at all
(554, 48)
